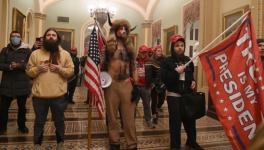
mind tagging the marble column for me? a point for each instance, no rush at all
(3, 23)
(258, 17)
(39, 24)
(209, 29)
(146, 30)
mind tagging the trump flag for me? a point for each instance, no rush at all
(234, 72)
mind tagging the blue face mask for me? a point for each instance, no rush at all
(15, 40)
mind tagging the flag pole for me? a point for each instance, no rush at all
(100, 30)
(220, 35)
(89, 96)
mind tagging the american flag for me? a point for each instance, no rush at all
(92, 73)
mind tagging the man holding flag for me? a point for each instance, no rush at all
(234, 72)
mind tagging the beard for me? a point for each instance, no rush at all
(122, 36)
(178, 56)
(51, 45)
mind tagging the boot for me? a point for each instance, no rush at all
(23, 130)
(114, 147)
(193, 146)
(60, 146)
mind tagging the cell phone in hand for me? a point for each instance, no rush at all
(39, 40)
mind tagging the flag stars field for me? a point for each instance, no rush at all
(221, 101)
(214, 85)
(225, 109)
(237, 83)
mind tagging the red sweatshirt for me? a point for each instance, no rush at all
(140, 67)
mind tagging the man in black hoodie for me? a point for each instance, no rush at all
(179, 80)
(72, 82)
(15, 83)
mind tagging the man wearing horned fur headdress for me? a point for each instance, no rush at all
(119, 63)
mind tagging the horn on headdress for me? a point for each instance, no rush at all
(132, 29)
(109, 19)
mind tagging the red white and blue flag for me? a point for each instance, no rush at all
(235, 75)
(92, 73)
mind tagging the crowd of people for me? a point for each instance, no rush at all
(50, 74)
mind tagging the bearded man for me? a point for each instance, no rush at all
(120, 64)
(50, 67)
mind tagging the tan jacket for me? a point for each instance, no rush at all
(49, 84)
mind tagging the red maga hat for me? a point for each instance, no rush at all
(176, 38)
(74, 49)
(143, 48)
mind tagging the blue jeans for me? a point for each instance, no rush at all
(41, 108)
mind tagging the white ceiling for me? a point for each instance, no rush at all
(144, 7)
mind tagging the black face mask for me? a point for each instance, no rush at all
(51, 45)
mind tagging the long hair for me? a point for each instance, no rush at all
(52, 29)
(54, 55)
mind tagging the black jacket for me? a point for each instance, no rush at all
(76, 62)
(170, 77)
(14, 82)
(152, 70)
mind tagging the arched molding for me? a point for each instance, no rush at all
(43, 4)
(150, 8)
(85, 25)
(37, 5)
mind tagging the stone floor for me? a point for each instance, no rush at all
(210, 134)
